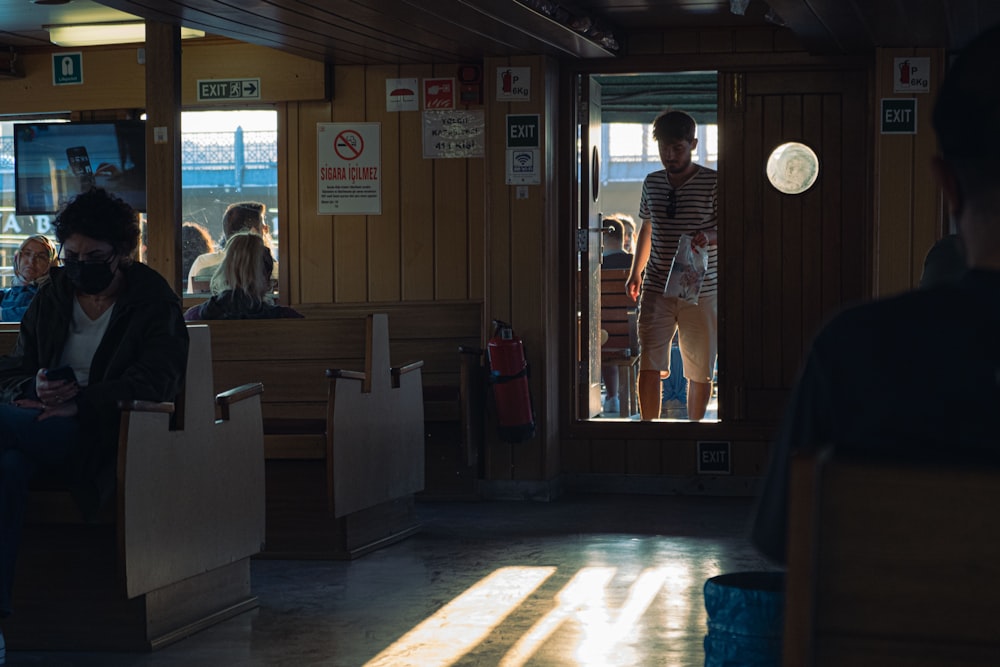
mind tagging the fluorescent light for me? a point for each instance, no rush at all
(94, 34)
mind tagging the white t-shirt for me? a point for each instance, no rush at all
(204, 264)
(85, 335)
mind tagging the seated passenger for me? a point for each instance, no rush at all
(247, 216)
(242, 286)
(114, 330)
(617, 233)
(195, 242)
(32, 262)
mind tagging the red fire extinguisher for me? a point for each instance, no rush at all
(509, 379)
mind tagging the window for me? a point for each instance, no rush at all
(226, 157)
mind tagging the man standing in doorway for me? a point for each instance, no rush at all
(681, 198)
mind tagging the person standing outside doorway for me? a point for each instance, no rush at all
(681, 198)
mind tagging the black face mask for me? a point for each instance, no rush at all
(90, 277)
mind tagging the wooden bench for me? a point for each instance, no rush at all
(621, 349)
(893, 563)
(290, 357)
(173, 556)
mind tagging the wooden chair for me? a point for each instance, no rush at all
(621, 350)
(893, 563)
(175, 555)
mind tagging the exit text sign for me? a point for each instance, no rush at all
(522, 130)
(714, 457)
(899, 116)
(228, 89)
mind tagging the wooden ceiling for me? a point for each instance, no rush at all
(431, 31)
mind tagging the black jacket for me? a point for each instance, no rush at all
(142, 356)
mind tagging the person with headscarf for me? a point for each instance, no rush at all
(32, 262)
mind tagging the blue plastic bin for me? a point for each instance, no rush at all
(745, 619)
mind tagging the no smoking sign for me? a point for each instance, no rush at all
(349, 170)
(349, 145)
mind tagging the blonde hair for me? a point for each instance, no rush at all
(246, 267)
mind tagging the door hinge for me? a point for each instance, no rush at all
(582, 240)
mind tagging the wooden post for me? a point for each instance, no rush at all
(163, 150)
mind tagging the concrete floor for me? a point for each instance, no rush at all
(589, 581)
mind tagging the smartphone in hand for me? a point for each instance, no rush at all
(60, 373)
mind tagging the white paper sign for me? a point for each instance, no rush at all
(523, 166)
(513, 84)
(911, 75)
(401, 95)
(455, 133)
(349, 169)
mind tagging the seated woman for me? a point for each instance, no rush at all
(241, 286)
(117, 325)
(32, 262)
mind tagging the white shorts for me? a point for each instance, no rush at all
(660, 316)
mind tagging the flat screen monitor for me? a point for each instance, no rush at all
(53, 162)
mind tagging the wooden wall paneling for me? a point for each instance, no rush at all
(314, 232)
(530, 241)
(894, 184)
(733, 177)
(642, 457)
(417, 202)
(715, 41)
(796, 211)
(680, 41)
(930, 219)
(350, 232)
(283, 76)
(856, 125)
(608, 456)
(812, 227)
(35, 93)
(771, 330)
(680, 457)
(751, 281)
(451, 247)
(476, 226)
(384, 238)
(498, 243)
(575, 456)
(831, 161)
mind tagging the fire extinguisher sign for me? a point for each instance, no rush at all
(911, 75)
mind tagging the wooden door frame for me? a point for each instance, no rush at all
(724, 64)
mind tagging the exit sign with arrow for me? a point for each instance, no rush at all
(211, 90)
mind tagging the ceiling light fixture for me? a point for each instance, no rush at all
(96, 34)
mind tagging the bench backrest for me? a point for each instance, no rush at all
(892, 563)
(290, 356)
(618, 312)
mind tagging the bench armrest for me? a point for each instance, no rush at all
(334, 373)
(231, 396)
(146, 406)
(398, 371)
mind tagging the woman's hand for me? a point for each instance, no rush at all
(67, 409)
(54, 392)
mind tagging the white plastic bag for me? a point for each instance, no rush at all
(687, 271)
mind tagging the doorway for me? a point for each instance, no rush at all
(616, 153)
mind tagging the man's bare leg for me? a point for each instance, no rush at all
(650, 394)
(698, 395)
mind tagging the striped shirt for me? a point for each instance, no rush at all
(697, 210)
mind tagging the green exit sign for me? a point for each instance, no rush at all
(899, 116)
